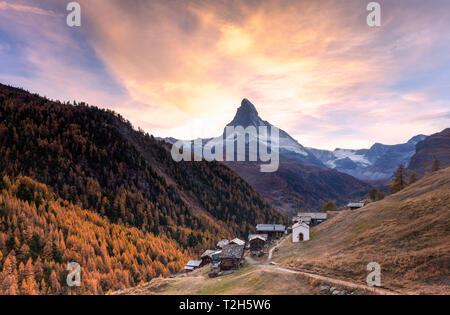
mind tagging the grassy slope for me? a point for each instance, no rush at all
(248, 280)
(408, 234)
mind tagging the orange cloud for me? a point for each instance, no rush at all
(310, 66)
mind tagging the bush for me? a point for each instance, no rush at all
(329, 206)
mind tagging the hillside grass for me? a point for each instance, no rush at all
(251, 280)
(408, 234)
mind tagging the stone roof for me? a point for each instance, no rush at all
(223, 243)
(233, 251)
(237, 241)
(270, 228)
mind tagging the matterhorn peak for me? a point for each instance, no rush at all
(247, 106)
(246, 115)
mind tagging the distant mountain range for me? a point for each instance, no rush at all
(378, 162)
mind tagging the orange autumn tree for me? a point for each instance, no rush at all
(37, 243)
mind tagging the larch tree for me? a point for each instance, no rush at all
(399, 181)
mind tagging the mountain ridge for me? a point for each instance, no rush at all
(377, 163)
(434, 146)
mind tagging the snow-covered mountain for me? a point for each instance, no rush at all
(246, 116)
(378, 162)
(301, 183)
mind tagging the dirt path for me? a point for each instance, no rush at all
(251, 261)
(273, 248)
(336, 282)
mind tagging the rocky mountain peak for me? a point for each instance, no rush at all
(246, 115)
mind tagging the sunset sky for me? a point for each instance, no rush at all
(181, 68)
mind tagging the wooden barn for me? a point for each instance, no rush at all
(257, 243)
(231, 257)
(206, 257)
(273, 231)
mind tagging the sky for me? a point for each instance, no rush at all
(180, 68)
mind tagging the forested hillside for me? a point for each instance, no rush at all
(40, 234)
(94, 159)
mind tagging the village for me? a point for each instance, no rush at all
(229, 254)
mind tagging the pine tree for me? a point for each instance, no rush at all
(399, 181)
(436, 166)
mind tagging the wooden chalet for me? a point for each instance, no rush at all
(231, 257)
(257, 243)
(273, 231)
